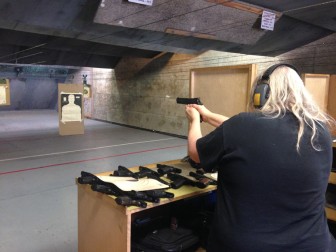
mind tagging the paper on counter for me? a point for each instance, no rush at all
(214, 175)
(129, 183)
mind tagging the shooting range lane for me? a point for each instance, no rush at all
(38, 167)
(79, 161)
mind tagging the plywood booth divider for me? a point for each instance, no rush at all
(323, 89)
(224, 90)
(331, 108)
(332, 96)
(70, 109)
(318, 86)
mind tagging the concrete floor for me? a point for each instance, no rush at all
(38, 167)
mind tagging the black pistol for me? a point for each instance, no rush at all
(127, 201)
(149, 173)
(186, 101)
(164, 169)
(159, 193)
(197, 101)
(179, 180)
(203, 179)
(124, 172)
(90, 179)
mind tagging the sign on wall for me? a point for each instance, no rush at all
(87, 91)
(4, 92)
(267, 20)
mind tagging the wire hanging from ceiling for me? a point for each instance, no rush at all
(30, 48)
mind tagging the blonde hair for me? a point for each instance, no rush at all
(288, 93)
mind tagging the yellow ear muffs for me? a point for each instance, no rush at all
(261, 94)
(256, 99)
(262, 89)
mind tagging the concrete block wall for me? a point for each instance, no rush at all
(102, 83)
(32, 93)
(142, 92)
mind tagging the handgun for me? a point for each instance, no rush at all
(124, 172)
(127, 201)
(203, 179)
(139, 195)
(159, 193)
(145, 171)
(89, 178)
(164, 169)
(180, 100)
(104, 189)
(149, 173)
(179, 180)
(197, 101)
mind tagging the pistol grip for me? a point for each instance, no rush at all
(177, 183)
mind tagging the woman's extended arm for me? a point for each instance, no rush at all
(194, 132)
(210, 117)
(194, 113)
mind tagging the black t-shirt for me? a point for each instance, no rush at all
(270, 197)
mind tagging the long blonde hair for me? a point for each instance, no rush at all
(288, 93)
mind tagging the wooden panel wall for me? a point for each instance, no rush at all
(223, 90)
(318, 86)
(332, 96)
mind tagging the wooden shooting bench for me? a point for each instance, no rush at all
(103, 225)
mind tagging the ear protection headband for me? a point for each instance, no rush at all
(262, 89)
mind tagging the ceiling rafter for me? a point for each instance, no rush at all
(88, 33)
